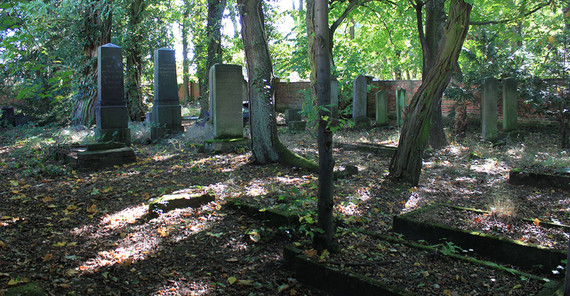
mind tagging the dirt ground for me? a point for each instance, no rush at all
(74, 232)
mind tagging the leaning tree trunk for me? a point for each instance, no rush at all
(430, 41)
(407, 162)
(214, 52)
(266, 147)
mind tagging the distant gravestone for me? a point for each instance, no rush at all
(359, 92)
(381, 108)
(400, 106)
(510, 104)
(111, 113)
(226, 96)
(489, 109)
(334, 98)
(292, 115)
(166, 118)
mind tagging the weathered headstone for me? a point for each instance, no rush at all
(297, 126)
(381, 108)
(359, 92)
(400, 106)
(489, 109)
(166, 118)
(292, 115)
(510, 104)
(8, 117)
(226, 97)
(334, 98)
(111, 113)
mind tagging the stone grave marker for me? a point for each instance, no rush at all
(8, 117)
(226, 97)
(166, 118)
(400, 106)
(359, 92)
(489, 109)
(381, 108)
(510, 104)
(292, 115)
(111, 113)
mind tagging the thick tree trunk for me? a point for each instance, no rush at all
(133, 78)
(407, 162)
(86, 97)
(266, 147)
(214, 37)
(319, 54)
(435, 21)
(260, 75)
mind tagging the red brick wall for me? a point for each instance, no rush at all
(289, 95)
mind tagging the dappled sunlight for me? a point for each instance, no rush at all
(184, 287)
(412, 203)
(123, 218)
(489, 166)
(349, 209)
(163, 157)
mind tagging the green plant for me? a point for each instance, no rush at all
(448, 248)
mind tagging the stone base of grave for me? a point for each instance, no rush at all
(165, 120)
(121, 135)
(178, 200)
(297, 126)
(225, 145)
(95, 156)
(362, 122)
(292, 115)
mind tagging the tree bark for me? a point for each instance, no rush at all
(97, 32)
(214, 51)
(266, 147)
(407, 161)
(133, 52)
(319, 54)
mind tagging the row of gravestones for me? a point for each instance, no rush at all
(489, 116)
(227, 89)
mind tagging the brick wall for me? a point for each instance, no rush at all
(289, 95)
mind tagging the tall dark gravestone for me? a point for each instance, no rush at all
(111, 112)
(166, 116)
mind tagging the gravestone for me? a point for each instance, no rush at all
(292, 115)
(166, 118)
(359, 92)
(8, 117)
(400, 106)
(111, 113)
(226, 96)
(334, 98)
(381, 108)
(510, 104)
(489, 109)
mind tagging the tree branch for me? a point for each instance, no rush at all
(504, 21)
(351, 6)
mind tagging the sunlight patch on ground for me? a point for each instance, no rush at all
(162, 157)
(122, 218)
(489, 166)
(349, 209)
(184, 287)
(413, 202)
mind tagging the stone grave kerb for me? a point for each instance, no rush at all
(166, 118)
(111, 113)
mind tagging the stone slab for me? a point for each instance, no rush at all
(225, 145)
(297, 126)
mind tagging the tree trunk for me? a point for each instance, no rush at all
(266, 147)
(96, 32)
(430, 41)
(407, 162)
(319, 33)
(214, 37)
(133, 52)
(185, 68)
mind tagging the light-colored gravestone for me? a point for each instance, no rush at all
(400, 106)
(111, 113)
(510, 104)
(359, 92)
(381, 108)
(489, 109)
(226, 96)
(166, 118)
(334, 98)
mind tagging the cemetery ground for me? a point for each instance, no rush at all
(74, 232)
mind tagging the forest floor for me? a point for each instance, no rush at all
(89, 233)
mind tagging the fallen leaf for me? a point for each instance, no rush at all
(60, 244)
(48, 257)
(245, 282)
(14, 183)
(92, 209)
(232, 260)
(232, 280)
(311, 253)
(163, 232)
(536, 222)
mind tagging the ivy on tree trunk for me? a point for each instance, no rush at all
(407, 161)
